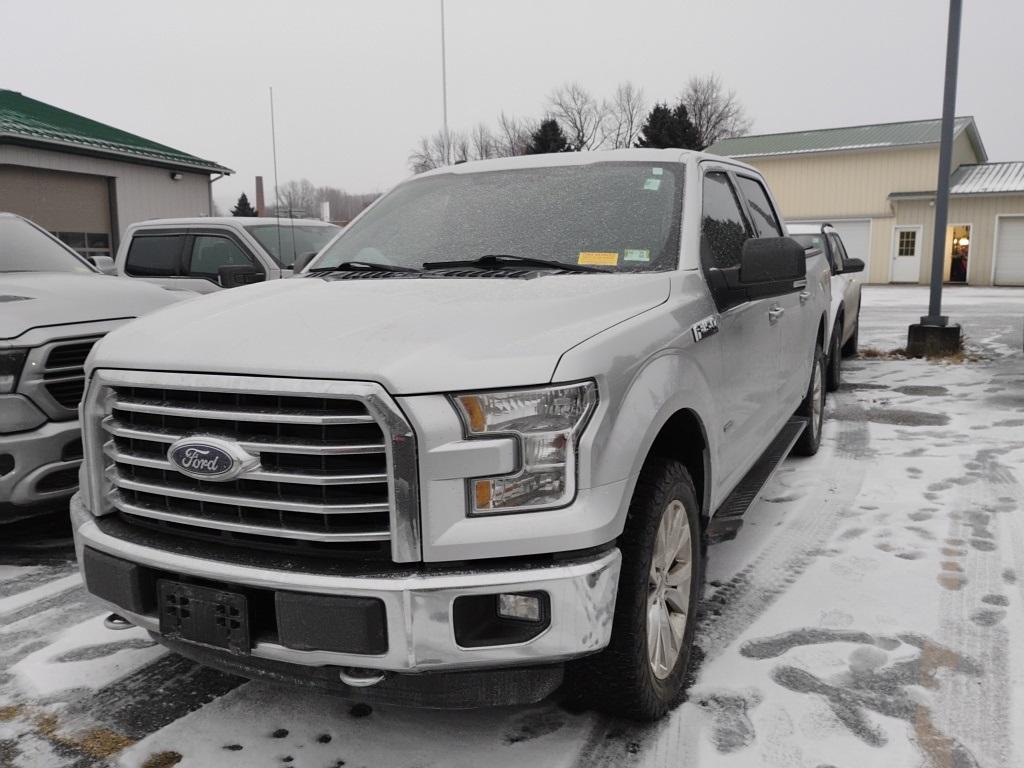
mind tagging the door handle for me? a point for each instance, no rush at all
(775, 313)
(804, 296)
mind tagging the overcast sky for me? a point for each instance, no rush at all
(356, 83)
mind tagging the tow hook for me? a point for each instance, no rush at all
(117, 621)
(358, 677)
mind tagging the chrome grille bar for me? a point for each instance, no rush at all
(226, 414)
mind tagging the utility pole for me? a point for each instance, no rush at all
(444, 93)
(934, 335)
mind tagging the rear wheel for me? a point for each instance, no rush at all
(641, 674)
(813, 408)
(850, 347)
(834, 371)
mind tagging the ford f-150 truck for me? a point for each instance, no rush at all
(476, 449)
(53, 307)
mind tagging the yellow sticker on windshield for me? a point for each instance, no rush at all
(598, 258)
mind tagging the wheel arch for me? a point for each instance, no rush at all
(683, 437)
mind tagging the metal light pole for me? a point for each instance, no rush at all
(444, 93)
(934, 335)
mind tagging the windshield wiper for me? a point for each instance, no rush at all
(368, 266)
(499, 260)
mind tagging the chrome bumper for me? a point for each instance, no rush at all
(37, 454)
(420, 631)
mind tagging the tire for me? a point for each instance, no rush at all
(834, 363)
(813, 408)
(850, 347)
(622, 679)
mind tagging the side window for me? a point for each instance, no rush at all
(210, 253)
(766, 223)
(723, 228)
(155, 255)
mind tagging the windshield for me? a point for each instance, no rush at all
(811, 241)
(26, 248)
(306, 238)
(619, 216)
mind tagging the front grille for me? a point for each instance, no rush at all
(322, 477)
(64, 371)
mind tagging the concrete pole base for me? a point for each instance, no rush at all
(933, 340)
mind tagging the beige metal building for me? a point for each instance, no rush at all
(86, 181)
(876, 184)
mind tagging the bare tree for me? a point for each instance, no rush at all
(579, 114)
(483, 141)
(297, 199)
(715, 112)
(624, 116)
(514, 134)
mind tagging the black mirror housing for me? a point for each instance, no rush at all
(235, 275)
(772, 260)
(853, 265)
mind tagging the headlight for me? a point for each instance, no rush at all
(547, 424)
(11, 361)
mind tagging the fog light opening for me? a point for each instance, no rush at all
(520, 607)
(500, 618)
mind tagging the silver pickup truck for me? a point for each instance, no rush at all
(54, 305)
(476, 450)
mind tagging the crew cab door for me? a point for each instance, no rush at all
(850, 282)
(750, 335)
(185, 258)
(797, 332)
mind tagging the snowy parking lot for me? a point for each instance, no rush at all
(869, 613)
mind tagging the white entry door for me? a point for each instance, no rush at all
(1009, 268)
(906, 255)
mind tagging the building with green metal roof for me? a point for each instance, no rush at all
(87, 181)
(876, 183)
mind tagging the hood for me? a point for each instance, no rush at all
(34, 299)
(410, 335)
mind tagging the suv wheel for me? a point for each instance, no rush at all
(641, 674)
(813, 408)
(834, 372)
(850, 347)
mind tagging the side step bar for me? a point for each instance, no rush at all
(728, 518)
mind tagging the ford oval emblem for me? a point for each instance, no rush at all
(207, 458)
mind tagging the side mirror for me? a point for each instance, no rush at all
(772, 263)
(235, 275)
(853, 265)
(302, 261)
(104, 264)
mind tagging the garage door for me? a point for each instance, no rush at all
(74, 206)
(856, 234)
(1010, 252)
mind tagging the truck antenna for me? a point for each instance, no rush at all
(277, 191)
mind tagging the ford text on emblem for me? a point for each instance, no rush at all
(209, 458)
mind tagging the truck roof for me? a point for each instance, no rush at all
(558, 159)
(240, 221)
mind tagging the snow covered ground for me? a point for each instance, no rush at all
(868, 614)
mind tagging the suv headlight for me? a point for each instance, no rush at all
(11, 362)
(547, 423)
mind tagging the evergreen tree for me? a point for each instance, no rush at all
(548, 138)
(667, 127)
(243, 208)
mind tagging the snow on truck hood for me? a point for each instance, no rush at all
(34, 299)
(410, 335)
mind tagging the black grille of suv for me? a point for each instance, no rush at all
(64, 371)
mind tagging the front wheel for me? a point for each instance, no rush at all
(641, 674)
(834, 371)
(813, 408)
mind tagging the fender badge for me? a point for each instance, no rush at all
(704, 328)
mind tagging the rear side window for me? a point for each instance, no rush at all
(766, 223)
(723, 228)
(210, 253)
(155, 255)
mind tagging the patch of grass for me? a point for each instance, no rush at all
(97, 743)
(162, 760)
(10, 712)
(873, 353)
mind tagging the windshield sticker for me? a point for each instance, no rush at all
(599, 258)
(636, 254)
(652, 184)
(657, 171)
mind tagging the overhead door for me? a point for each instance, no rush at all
(1010, 251)
(74, 206)
(856, 234)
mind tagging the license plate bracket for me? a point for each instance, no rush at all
(204, 615)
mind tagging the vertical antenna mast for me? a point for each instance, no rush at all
(277, 192)
(444, 93)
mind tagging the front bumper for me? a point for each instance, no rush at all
(418, 608)
(45, 471)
